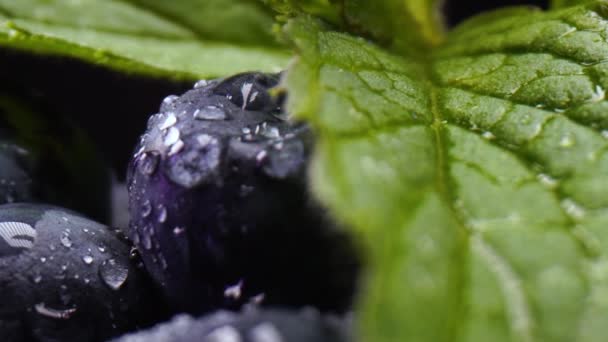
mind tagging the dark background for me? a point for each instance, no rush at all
(114, 107)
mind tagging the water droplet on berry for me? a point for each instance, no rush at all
(87, 259)
(170, 99)
(210, 113)
(195, 165)
(146, 209)
(65, 240)
(170, 120)
(162, 213)
(149, 163)
(172, 136)
(114, 274)
(200, 84)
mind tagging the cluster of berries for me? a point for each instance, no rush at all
(223, 233)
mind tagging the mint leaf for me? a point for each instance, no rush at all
(407, 26)
(475, 175)
(178, 39)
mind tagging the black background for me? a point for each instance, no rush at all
(114, 107)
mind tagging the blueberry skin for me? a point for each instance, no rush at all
(66, 278)
(220, 208)
(249, 326)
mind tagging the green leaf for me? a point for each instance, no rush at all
(476, 176)
(566, 3)
(178, 39)
(409, 26)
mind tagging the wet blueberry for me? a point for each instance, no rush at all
(249, 326)
(220, 208)
(66, 278)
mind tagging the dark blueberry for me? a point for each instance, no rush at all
(220, 207)
(44, 158)
(66, 278)
(249, 326)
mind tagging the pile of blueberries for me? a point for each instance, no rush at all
(224, 241)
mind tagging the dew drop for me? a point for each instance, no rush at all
(169, 122)
(573, 209)
(146, 209)
(87, 259)
(65, 240)
(178, 231)
(170, 99)
(488, 135)
(200, 84)
(210, 113)
(567, 141)
(149, 163)
(113, 274)
(101, 248)
(235, 291)
(547, 180)
(171, 137)
(37, 279)
(176, 148)
(43, 259)
(162, 214)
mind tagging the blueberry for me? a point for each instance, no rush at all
(45, 158)
(249, 326)
(66, 278)
(220, 205)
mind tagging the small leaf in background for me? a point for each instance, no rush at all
(151, 37)
(475, 175)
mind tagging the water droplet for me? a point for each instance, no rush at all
(488, 135)
(265, 332)
(172, 136)
(226, 333)
(210, 113)
(547, 180)
(261, 155)
(169, 122)
(65, 240)
(170, 99)
(114, 274)
(245, 92)
(178, 230)
(146, 209)
(200, 84)
(162, 213)
(43, 259)
(234, 291)
(270, 132)
(257, 299)
(149, 162)
(567, 141)
(573, 209)
(87, 259)
(53, 313)
(37, 279)
(195, 165)
(146, 238)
